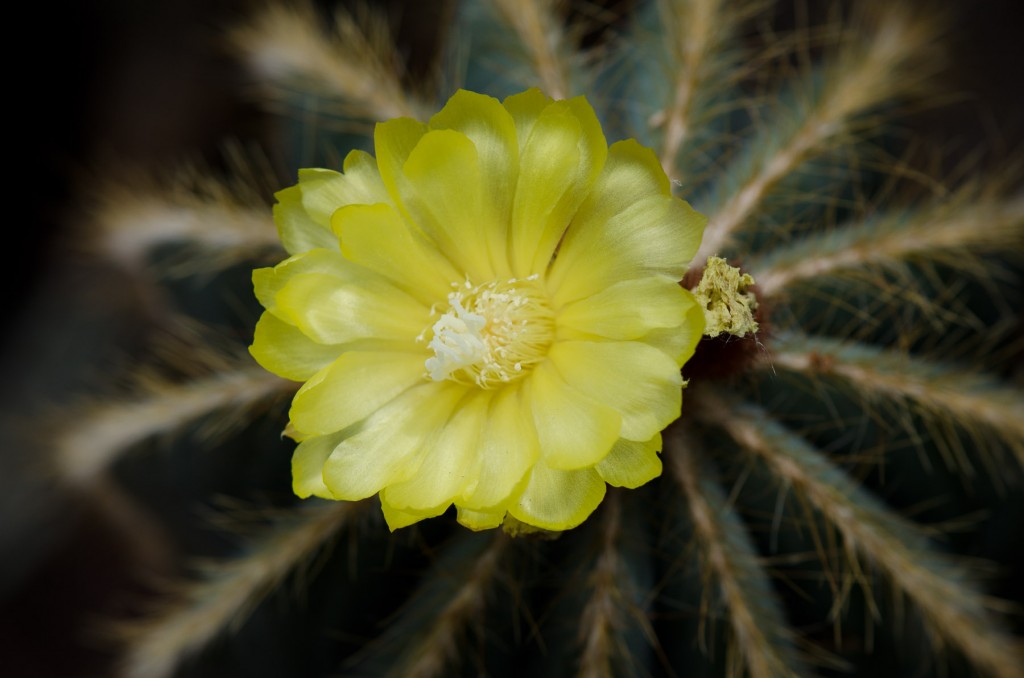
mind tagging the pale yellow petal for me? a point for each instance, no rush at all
(308, 461)
(284, 350)
(638, 382)
(559, 500)
(396, 518)
(480, 520)
(628, 309)
(332, 310)
(508, 448)
(363, 177)
(376, 236)
(393, 141)
(389, 446)
(574, 430)
(351, 388)
(655, 235)
(303, 212)
(267, 282)
(493, 132)
(324, 191)
(449, 460)
(560, 162)
(298, 231)
(443, 196)
(525, 108)
(679, 343)
(629, 227)
(632, 172)
(334, 301)
(631, 463)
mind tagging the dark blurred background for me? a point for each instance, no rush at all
(149, 84)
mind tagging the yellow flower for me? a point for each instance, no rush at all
(487, 314)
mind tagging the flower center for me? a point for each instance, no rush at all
(492, 333)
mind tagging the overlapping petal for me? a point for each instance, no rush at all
(639, 383)
(376, 236)
(284, 350)
(558, 500)
(630, 226)
(447, 464)
(492, 131)
(333, 301)
(389, 447)
(574, 430)
(631, 463)
(303, 212)
(508, 447)
(351, 388)
(561, 159)
(443, 195)
(614, 312)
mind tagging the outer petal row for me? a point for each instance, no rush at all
(629, 227)
(284, 350)
(389, 445)
(303, 211)
(333, 301)
(616, 312)
(376, 237)
(637, 382)
(559, 500)
(351, 388)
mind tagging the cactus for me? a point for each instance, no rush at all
(832, 494)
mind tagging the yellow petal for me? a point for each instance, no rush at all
(480, 520)
(298, 231)
(490, 127)
(376, 236)
(351, 388)
(632, 172)
(308, 465)
(639, 383)
(363, 178)
(679, 343)
(267, 282)
(303, 212)
(573, 429)
(560, 162)
(331, 309)
(393, 141)
(396, 518)
(348, 301)
(324, 191)
(525, 108)
(284, 350)
(508, 448)
(630, 227)
(443, 196)
(628, 309)
(448, 461)
(656, 235)
(559, 500)
(631, 463)
(389, 445)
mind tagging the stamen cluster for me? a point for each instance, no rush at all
(492, 333)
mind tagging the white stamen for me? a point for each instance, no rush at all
(457, 341)
(491, 333)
